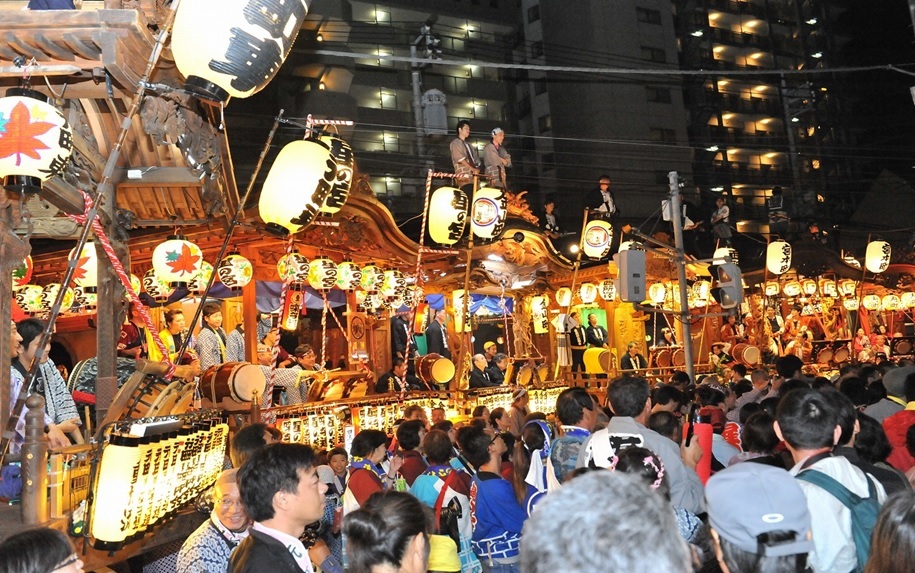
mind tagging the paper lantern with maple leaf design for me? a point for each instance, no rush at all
(23, 273)
(85, 274)
(372, 277)
(86, 300)
(322, 273)
(198, 284)
(155, 286)
(393, 283)
(349, 275)
(235, 271)
(177, 261)
(136, 284)
(35, 140)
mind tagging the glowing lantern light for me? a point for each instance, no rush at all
(701, 290)
(877, 257)
(461, 315)
(908, 299)
(28, 298)
(361, 296)
(587, 292)
(23, 273)
(155, 286)
(322, 273)
(120, 463)
(721, 255)
(447, 215)
(349, 275)
(597, 238)
(244, 44)
(792, 289)
(809, 286)
(35, 141)
(343, 157)
(198, 284)
(85, 299)
(871, 302)
(373, 302)
(488, 212)
(891, 302)
(49, 295)
(177, 261)
(847, 287)
(393, 283)
(657, 292)
(298, 183)
(771, 288)
(135, 283)
(413, 295)
(393, 302)
(293, 267)
(234, 271)
(540, 314)
(292, 308)
(86, 273)
(372, 277)
(607, 290)
(850, 304)
(778, 257)
(828, 287)
(564, 296)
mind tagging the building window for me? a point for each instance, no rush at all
(479, 109)
(533, 13)
(648, 16)
(661, 134)
(536, 49)
(383, 58)
(388, 100)
(657, 95)
(382, 16)
(653, 54)
(524, 106)
(475, 71)
(391, 141)
(539, 86)
(455, 85)
(544, 123)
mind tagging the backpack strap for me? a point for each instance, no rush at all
(441, 497)
(836, 489)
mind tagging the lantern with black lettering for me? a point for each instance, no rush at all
(234, 271)
(778, 257)
(199, 283)
(298, 183)
(293, 267)
(597, 238)
(322, 273)
(292, 309)
(488, 212)
(393, 283)
(877, 256)
(349, 275)
(343, 157)
(372, 277)
(447, 215)
(155, 286)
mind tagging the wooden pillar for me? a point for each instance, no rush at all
(34, 464)
(249, 319)
(112, 311)
(12, 251)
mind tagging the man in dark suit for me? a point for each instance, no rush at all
(578, 341)
(400, 336)
(601, 201)
(633, 360)
(479, 377)
(437, 336)
(398, 380)
(597, 334)
(497, 369)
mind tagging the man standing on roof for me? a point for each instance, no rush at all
(496, 159)
(464, 157)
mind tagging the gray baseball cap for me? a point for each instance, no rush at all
(894, 380)
(749, 499)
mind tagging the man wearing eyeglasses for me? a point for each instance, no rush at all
(209, 547)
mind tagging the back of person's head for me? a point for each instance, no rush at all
(709, 395)
(30, 329)
(807, 419)
(39, 550)
(748, 410)
(821, 382)
(856, 390)
(572, 533)
(646, 465)
(408, 434)
(792, 384)
(759, 376)
(392, 529)
(664, 394)
(666, 424)
(474, 444)
(910, 387)
(571, 405)
(534, 416)
(627, 396)
(445, 426)
(478, 411)
(871, 443)
(788, 365)
(535, 436)
(894, 380)
(846, 415)
(495, 416)
(893, 540)
(758, 435)
(367, 441)
(437, 447)
(245, 442)
(739, 369)
(910, 440)
(770, 405)
(768, 531)
(270, 470)
(679, 378)
(741, 387)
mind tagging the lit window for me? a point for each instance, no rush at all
(391, 141)
(388, 100)
(544, 123)
(479, 109)
(382, 16)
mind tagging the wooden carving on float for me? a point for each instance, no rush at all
(523, 254)
(84, 170)
(518, 207)
(351, 232)
(521, 328)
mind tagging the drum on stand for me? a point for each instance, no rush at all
(746, 354)
(434, 369)
(662, 356)
(840, 354)
(544, 372)
(678, 357)
(825, 355)
(234, 380)
(598, 360)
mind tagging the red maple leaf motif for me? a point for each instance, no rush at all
(19, 138)
(185, 262)
(79, 272)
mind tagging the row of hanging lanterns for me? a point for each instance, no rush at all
(448, 212)
(587, 293)
(778, 257)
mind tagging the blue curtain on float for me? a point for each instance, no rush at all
(268, 297)
(491, 303)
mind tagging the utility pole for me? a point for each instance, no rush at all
(677, 220)
(431, 51)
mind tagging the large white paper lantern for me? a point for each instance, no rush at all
(372, 277)
(871, 302)
(293, 267)
(792, 289)
(809, 287)
(488, 212)
(298, 183)
(891, 302)
(85, 275)
(198, 284)
(349, 276)
(908, 299)
(657, 292)
(540, 314)
(235, 47)
(343, 157)
(461, 313)
(771, 288)
(28, 298)
(722, 253)
(778, 257)
(136, 284)
(177, 261)
(607, 290)
(564, 296)
(877, 256)
(701, 290)
(850, 304)
(86, 300)
(447, 215)
(155, 286)
(322, 273)
(35, 140)
(49, 295)
(597, 238)
(234, 271)
(393, 283)
(847, 287)
(828, 288)
(587, 292)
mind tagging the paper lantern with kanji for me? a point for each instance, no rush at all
(49, 296)
(778, 257)
(587, 292)
(322, 273)
(372, 277)
(771, 288)
(828, 287)
(393, 283)
(155, 286)
(373, 301)
(657, 292)
(235, 271)
(607, 290)
(722, 253)
(343, 157)
(890, 302)
(87, 300)
(293, 267)
(540, 314)
(236, 47)
(85, 274)
(847, 287)
(23, 273)
(28, 298)
(349, 276)
(877, 256)
(850, 304)
(564, 296)
(447, 215)
(177, 261)
(393, 302)
(488, 212)
(361, 295)
(809, 287)
(35, 140)
(292, 309)
(701, 290)
(871, 302)
(198, 284)
(135, 283)
(907, 299)
(597, 238)
(461, 313)
(298, 183)
(792, 289)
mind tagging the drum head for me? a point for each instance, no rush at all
(442, 371)
(544, 372)
(824, 356)
(524, 375)
(678, 358)
(840, 354)
(903, 347)
(751, 356)
(663, 357)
